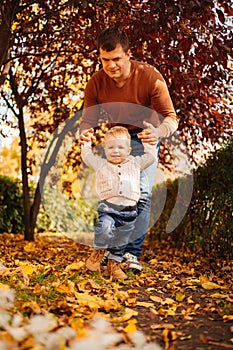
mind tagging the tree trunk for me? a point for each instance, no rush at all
(28, 233)
(31, 212)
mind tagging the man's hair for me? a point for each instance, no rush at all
(110, 38)
(117, 132)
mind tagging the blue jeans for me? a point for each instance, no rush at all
(138, 234)
(114, 227)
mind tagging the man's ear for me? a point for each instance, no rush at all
(130, 149)
(128, 53)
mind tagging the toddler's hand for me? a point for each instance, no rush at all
(87, 136)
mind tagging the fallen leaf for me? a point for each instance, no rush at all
(168, 301)
(162, 326)
(186, 337)
(210, 285)
(156, 299)
(76, 266)
(153, 311)
(4, 286)
(29, 247)
(132, 291)
(180, 296)
(109, 305)
(125, 317)
(144, 304)
(27, 269)
(228, 318)
(85, 299)
(219, 296)
(63, 288)
(131, 326)
(32, 305)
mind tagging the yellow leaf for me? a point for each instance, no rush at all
(132, 291)
(170, 311)
(228, 318)
(75, 266)
(4, 286)
(168, 301)
(131, 302)
(210, 285)
(84, 299)
(203, 279)
(155, 312)
(71, 286)
(62, 288)
(219, 296)
(93, 284)
(180, 296)
(131, 326)
(109, 304)
(31, 305)
(29, 247)
(122, 296)
(127, 315)
(144, 304)
(156, 299)
(27, 269)
(162, 326)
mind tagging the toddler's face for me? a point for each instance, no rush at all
(117, 150)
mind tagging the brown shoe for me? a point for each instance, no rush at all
(93, 262)
(114, 270)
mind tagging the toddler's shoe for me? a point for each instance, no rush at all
(132, 262)
(114, 270)
(93, 262)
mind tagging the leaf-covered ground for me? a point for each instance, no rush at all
(47, 297)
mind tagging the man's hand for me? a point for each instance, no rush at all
(149, 134)
(86, 136)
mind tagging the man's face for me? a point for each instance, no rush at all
(116, 62)
(117, 150)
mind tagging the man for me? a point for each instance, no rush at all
(135, 95)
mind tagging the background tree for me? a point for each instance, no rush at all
(11, 157)
(51, 53)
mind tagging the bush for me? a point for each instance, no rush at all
(56, 214)
(11, 205)
(59, 214)
(209, 220)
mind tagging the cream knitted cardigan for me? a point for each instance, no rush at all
(121, 180)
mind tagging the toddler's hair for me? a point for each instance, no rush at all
(117, 132)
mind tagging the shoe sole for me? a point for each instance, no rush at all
(134, 266)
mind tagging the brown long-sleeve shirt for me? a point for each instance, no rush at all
(144, 96)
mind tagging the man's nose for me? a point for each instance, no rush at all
(111, 63)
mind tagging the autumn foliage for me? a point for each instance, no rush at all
(49, 300)
(48, 54)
